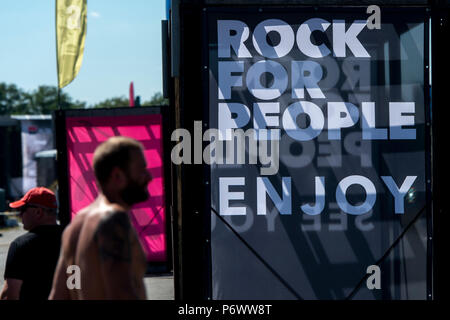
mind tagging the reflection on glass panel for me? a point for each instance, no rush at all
(343, 174)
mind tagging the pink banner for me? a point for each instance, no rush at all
(84, 134)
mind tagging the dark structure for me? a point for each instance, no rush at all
(10, 154)
(185, 67)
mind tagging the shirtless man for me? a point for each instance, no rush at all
(100, 239)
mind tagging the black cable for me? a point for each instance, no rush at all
(387, 252)
(284, 282)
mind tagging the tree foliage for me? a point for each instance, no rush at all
(12, 99)
(43, 100)
(156, 100)
(115, 102)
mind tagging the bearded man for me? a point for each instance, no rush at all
(100, 241)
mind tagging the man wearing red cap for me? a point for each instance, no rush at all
(32, 257)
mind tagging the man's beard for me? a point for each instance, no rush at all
(134, 193)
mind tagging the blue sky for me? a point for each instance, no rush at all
(123, 44)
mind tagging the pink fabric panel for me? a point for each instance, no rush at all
(84, 134)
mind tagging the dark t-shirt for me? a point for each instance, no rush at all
(32, 258)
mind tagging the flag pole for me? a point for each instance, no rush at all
(58, 96)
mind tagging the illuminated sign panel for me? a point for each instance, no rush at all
(326, 165)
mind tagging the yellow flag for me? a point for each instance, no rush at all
(71, 20)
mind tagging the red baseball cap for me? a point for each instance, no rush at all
(39, 196)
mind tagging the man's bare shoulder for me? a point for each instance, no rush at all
(71, 234)
(91, 215)
(104, 218)
(74, 227)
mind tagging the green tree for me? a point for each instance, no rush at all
(113, 103)
(43, 100)
(157, 100)
(122, 101)
(11, 99)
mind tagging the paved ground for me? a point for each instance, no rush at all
(8, 235)
(158, 287)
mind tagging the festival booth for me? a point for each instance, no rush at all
(10, 160)
(79, 132)
(24, 136)
(310, 170)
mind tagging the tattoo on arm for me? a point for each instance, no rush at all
(113, 237)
